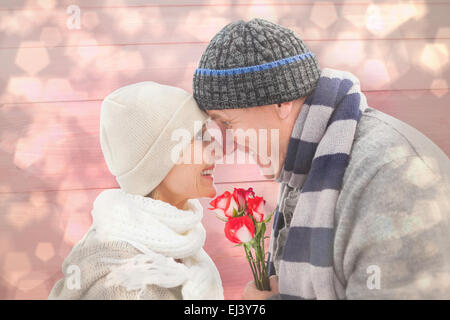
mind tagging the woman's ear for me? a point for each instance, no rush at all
(284, 109)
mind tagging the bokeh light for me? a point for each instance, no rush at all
(384, 19)
(15, 266)
(50, 36)
(47, 4)
(88, 50)
(32, 59)
(439, 87)
(45, 251)
(375, 70)
(434, 56)
(25, 88)
(322, 15)
(90, 20)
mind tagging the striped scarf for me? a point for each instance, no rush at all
(316, 160)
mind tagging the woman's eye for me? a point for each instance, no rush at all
(199, 135)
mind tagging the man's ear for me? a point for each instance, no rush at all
(284, 109)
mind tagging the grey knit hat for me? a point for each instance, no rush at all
(254, 63)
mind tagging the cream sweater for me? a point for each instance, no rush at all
(140, 248)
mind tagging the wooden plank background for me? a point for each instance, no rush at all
(53, 78)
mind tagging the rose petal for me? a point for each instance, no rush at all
(243, 234)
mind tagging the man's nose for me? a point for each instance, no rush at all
(229, 144)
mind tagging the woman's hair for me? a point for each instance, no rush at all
(153, 194)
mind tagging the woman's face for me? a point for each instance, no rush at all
(191, 179)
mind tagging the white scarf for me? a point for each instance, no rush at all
(162, 233)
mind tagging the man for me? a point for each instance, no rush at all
(363, 206)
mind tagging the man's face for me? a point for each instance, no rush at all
(244, 123)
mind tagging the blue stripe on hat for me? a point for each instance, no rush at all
(260, 67)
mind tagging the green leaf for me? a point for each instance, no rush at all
(269, 217)
(221, 218)
(258, 228)
(263, 228)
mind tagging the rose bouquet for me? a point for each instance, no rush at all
(246, 218)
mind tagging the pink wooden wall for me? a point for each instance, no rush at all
(53, 78)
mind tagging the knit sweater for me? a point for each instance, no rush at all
(140, 248)
(392, 217)
(87, 255)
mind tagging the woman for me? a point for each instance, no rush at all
(146, 238)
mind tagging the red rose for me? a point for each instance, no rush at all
(241, 196)
(223, 205)
(237, 209)
(240, 229)
(256, 208)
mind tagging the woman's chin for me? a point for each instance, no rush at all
(212, 192)
(209, 192)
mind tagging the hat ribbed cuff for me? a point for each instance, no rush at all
(282, 83)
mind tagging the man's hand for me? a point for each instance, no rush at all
(252, 293)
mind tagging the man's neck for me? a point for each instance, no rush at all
(286, 131)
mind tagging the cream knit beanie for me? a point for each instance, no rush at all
(136, 125)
